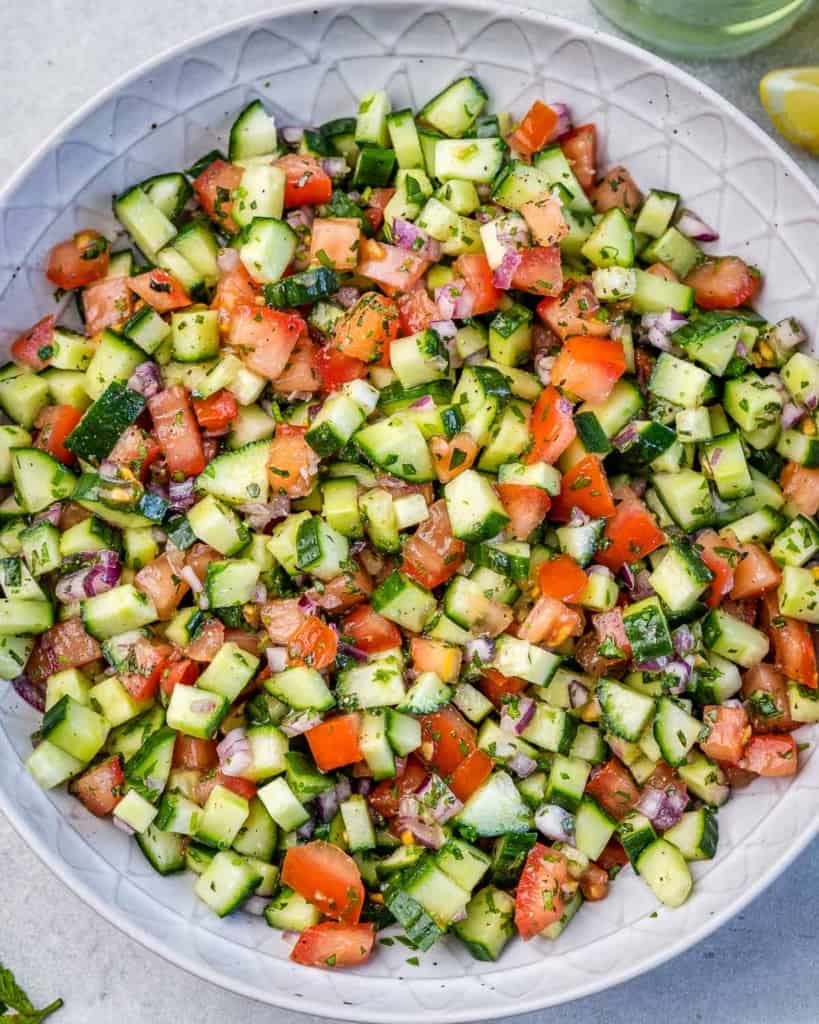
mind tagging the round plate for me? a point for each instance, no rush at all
(309, 63)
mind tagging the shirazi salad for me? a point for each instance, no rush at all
(420, 531)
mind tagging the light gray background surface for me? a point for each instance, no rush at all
(55, 55)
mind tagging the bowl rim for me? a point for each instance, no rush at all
(112, 913)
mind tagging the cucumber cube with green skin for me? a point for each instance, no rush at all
(223, 815)
(291, 912)
(611, 244)
(378, 683)
(723, 458)
(635, 833)
(797, 543)
(495, 808)
(593, 828)
(178, 813)
(398, 447)
(567, 780)
(149, 768)
(801, 377)
(678, 382)
(799, 594)
(238, 476)
(50, 766)
(428, 693)
(40, 545)
(115, 702)
(752, 402)
(229, 672)
(454, 110)
(705, 779)
(647, 630)
(75, 728)
(681, 577)
(231, 582)
(14, 653)
(675, 730)
(196, 712)
(268, 250)
(39, 479)
(375, 745)
(735, 640)
(515, 657)
(227, 882)
(301, 688)
(135, 811)
(663, 868)
(549, 729)
(117, 610)
(282, 805)
(696, 834)
(11, 437)
(625, 712)
(164, 851)
(465, 864)
(403, 601)
(509, 853)
(216, 524)
(475, 511)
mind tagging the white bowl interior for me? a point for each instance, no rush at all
(308, 66)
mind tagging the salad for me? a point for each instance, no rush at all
(419, 530)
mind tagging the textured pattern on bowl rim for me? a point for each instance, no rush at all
(309, 61)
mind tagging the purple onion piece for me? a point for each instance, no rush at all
(29, 691)
(187, 574)
(694, 226)
(516, 715)
(445, 329)
(299, 722)
(335, 166)
(276, 658)
(433, 799)
(521, 765)
(301, 218)
(343, 789)
(543, 367)
(50, 514)
(364, 786)
(792, 414)
(664, 807)
(788, 333)
(347, 296)
(306, 830)
(260, 593)
(327, 803)
(654, 664)
(555, 823)
(180, 495)
(577, 517)
(259, 514)
(255, 905)
(628, 576)
(454, 300)
(481, 648)
(307, 604)
(407, 235)
(683, 640)
(146, 379)
(426, 402)
(353, 652)
(578, 693)
(432, 836)
(626, 437)
(502, 275)
(564, 119)
(234, 753)
(291, 134)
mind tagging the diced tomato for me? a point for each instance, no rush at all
(755, 574)
(369, 631)
(214, 187)
(327, 877)
(720, 556)
(765, 691)
(136, 450)
(102, 787)
(148, 659)
(307, 184)
(376, 204)
(470, 774)
(745, 611)
(334, 743)
(208, 642)
(562, 578)
(551, 623)
(630, 534)
(292, 465)
(78, 261)
(106, 303)
(432, 555)
(177, 431)
(661, 270)
(416, 311)
(265, 338)
(314, 644)
(368, 328)
(281, 618)
(236, 288)
(330, 944)
(612, 786)
(194, 753)
(199, 556)
(728, 732)
(545, 220)
(794, 651)
(216, 412)
(539, 271)
(55, 423)
(474, 270)
(344, 591)
(452, 457)
(178, 671)
(395, 269)
(535, 130)
(552, 426)
(617, 189)
(723, 283)
(301, 371)
(589, 367)
(594, 883)
(386, 796)
(159, 289)
(525, 505)
(771, 756)
(539, 897)
(334, 241)
(65, 645)
(613, 856)
(447, 739)
(800, 486)
(609, 625)
(335, 368)
(572, 312)
(244, 788)
(247, 641)
(580, 149)
(35, 346)
(435, 656)
(498, 687)
(584, 486)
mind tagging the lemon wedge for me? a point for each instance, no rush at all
(791, 98)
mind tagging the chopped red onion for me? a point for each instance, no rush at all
(460, 916)
(654, 664)
(521, 765)
(32, 693)
(792, 414)
(234, 753)
(626, 437)
(291, 134)
(109, 471)
(299, 722)
(301, 218)
(353, 652)
(427, 402)
(788, 333)
(347, 296)
(484, 191)
(327, 803)
(307, 604)
(306, 830)
(189, 576)
(276, 658)
(432, 836)
(578, 693)
(577, 517)
(601, 570)
(445, 329)
(502, 274)
(543, 367)
(555, 823)
(203, 706)
(343, 789)
(681, 668)
(256, 905)
(515, 723)
(742, 349)
(663, 806)
(481, 648)
(513, 232)
(364, 786)
(227, 260)
(454, 300)
(628, 576)
(50, 514)
(96, 579)
(658, 327)
(258, 514)
(683, 640)
(146, 379)
(642, 586)
(203, 601)
(335, 166)
(407, 235)
(650, 802)
(564, 119)
(564, 406)
(260, 593)
(180, 495)
(695, 227)
(435, 799)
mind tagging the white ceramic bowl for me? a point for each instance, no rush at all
(309, 63)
